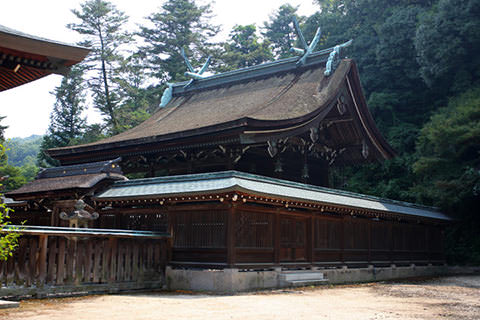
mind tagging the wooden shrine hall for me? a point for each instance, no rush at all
(236, 169)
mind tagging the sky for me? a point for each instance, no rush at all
(27, 108)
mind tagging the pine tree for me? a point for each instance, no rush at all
(179, 24)
(102, 25)
(2, 130)
(279, 30)
(244, 49)
(66, 121)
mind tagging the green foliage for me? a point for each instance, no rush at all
(244, 49)
(137, 102)
(179, 24)
(9, 240)
(449, 149)
(279, 30)
(21, 151)
(67, 123)
(2, 129)
(448, 44)
(448, 171)
(102, 26)
(413, 55)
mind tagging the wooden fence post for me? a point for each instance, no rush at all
(42, 258)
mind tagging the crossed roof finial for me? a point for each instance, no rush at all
(307, 49)
(192, 73)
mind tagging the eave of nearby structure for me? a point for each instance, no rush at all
(207, 183)
(25, 58)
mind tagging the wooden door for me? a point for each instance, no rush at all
(293, 239)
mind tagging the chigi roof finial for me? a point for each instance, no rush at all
(307, 49)
(192, 73)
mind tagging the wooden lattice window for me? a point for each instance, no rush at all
(254, 229)
(204, 229)
(292, 233)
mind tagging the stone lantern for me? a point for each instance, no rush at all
(79, 217)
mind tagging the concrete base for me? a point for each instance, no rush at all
(9, 304)
(235, 280)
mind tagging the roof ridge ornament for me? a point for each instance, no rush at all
(192, 73)
(167, 95)
(307, 49)
(334, 58)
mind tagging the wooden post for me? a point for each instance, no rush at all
(42, 258)
(52, 265)
(342, 239)
(60, 261)
(231, 235)
(392, 243)
(369, 236)
(311, 239)
(112, 258)
(276, 242)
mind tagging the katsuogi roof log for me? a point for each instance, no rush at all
(254, 105)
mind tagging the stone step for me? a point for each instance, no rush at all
(300, 283)
(301, 275)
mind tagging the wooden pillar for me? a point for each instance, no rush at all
(311, 239)
(392, 240)
(231, 255)
(112, 259)
(342, 239)
(170, 241)
(369, 235)
(276, 238)
(42, 258)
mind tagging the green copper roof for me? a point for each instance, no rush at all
(259, 185)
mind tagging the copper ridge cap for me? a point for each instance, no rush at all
(264, 69)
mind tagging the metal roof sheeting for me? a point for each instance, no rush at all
(254, 184)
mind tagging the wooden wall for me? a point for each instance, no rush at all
(255, 236)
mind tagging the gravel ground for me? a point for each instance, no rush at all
(440, 298)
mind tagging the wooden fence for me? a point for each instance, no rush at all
(55, 260)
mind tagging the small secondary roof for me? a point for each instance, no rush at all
(68, 178)
(228, 181)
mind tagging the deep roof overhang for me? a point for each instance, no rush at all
(228, 181)
(25, 58)
(243, 130)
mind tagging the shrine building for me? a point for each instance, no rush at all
(237, 172)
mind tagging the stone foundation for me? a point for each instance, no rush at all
(235, 280)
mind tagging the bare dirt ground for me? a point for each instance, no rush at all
(441, 298)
